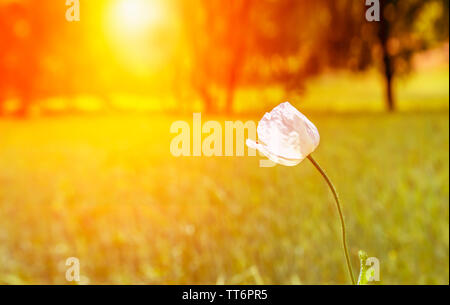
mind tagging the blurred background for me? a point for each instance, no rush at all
(86, 170)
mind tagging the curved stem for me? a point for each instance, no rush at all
(341, 216)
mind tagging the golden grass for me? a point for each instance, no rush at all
(107, 190)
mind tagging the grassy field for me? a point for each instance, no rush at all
(346, 92)
(107, 191)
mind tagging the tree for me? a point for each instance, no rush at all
(226, 38)
(354, 43)
(218, 35)
(399, 40)
(24, 38)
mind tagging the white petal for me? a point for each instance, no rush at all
(277, 159)
(287, 133)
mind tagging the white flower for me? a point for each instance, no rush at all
(285, 135)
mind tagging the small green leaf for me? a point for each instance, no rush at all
(362, 280)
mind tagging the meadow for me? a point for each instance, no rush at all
(105, 189)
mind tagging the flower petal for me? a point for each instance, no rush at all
(287, 133)
(273, 157)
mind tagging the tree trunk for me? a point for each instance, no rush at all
(207, 100)
(237, 42)
(388, 82)
(25, 99)
(383, 35)
(230, 92)
(229, 102)
(22, 112)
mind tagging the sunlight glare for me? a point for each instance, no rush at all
(133, 28)
(137, 16)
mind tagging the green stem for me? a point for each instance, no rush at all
(341, 216)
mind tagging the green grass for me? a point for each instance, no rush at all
(357, 92)
(107, 190)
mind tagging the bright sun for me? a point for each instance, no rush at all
(131, 25)
(136, 17)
